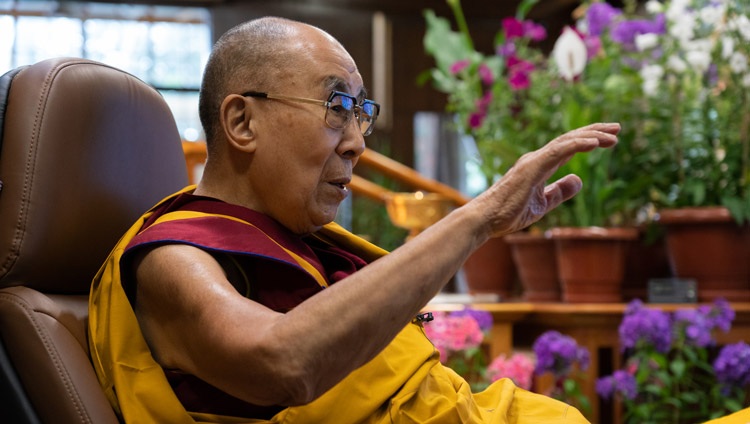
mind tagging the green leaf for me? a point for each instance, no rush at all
(737, 208)
(524, 7)
(677, 367)
(570, 385)
(445, 45)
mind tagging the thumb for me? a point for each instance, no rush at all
(562, 190)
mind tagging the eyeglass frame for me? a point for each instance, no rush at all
(356, 109)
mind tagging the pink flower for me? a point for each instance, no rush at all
(518, 368)
(477, 118)
(518, 73)
(453, 333)
(513, 28)
(534, 31)
(485, 73)
(593, 46)
(459, 66)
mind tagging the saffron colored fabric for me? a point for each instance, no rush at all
(405, 383)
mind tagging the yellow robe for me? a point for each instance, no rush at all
(405, 383)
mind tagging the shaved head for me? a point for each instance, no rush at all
(251, 56)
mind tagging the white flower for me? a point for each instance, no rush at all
(646, 41)
(570, 54)
(727, 47)
(712, 15)
(740, 23)
(651, 75)
(683, 27)
(676, 64)
(653, 7)
(699, 60)
(746, 81)
(677, 8)
(738, 63)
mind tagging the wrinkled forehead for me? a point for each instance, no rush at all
(328, 65)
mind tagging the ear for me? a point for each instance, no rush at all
(236, 120)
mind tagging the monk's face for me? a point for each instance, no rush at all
(302, 166)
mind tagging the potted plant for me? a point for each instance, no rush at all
(517, 98)
(696, 113)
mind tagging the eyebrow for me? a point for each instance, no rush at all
(334, 83)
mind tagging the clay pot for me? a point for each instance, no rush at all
(707, 245)
(591, 262)
(534, 258)
(490, 269)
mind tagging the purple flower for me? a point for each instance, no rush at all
(644, 325)
(625, 32)
(558, 353)
(459, 66)
(621, 382)
(720, 314)
(599, 16)
(732, 366)
(696, 326)
(507, 49)
(483, 318)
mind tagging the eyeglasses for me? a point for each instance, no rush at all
(340, 107)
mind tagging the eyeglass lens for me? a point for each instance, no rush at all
(342, 107)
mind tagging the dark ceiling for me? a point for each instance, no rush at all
(472, 8)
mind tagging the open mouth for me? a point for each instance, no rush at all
(339, 185)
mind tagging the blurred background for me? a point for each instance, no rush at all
(166, 43)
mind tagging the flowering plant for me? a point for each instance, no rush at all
(560, 355)
(458, 336)
(668, 376)
(675, 73)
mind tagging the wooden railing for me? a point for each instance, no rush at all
(402, 174)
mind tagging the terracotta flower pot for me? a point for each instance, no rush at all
(490, 269)
(591, 262)
(706, 244)
(534, 257)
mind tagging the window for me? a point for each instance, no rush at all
(165, 46)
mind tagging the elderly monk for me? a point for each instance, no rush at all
(237, 300)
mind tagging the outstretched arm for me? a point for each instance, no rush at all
(196, 321)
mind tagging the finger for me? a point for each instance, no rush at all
(561, 190)
(608, 127)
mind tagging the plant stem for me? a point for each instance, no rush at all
(458, 14)
(677, 136)
(745, 142)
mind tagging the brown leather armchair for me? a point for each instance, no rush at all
(84, 150)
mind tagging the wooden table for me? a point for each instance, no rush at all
(593, 325)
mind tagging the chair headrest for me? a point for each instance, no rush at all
(86, 148)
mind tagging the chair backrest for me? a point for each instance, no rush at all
(85, 148)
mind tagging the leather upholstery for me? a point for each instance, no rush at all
(86, 148)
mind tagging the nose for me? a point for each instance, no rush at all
(352, 143)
